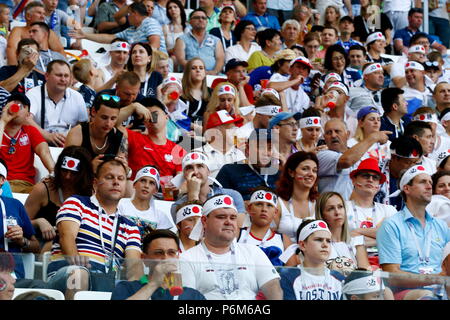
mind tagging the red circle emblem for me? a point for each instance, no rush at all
(227, 89)
(124, 45)
(268, 196)
(227, 201)
(153, 171)
(422, 117)
(322, 224)
(195, 209)
(414, 153)
(316, 121)
(173, 79)
(420, 168)
(194, 156)
(378, 66)
(407, 65)
(71, 163)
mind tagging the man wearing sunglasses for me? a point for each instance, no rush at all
(160, 254)
(20, 143)
(285, 126)
(369, 92)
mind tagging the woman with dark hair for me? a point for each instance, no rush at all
(175, 29)
(245, 33)
(73, 175)
(297, 189)
(439, 207)
(270, 42)
(336, 60)
(311, 129)
(140, 62)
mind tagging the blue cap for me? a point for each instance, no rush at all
(283, 116)
(364, 111)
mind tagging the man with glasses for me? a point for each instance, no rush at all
(198, 43)
(285, 126)
(369, 92)
(160, 254)
(20, 144)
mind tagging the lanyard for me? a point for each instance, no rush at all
(259, 21)
(355, 212)
(147, 76)
(5, 224)
(113, 235)
(218, 278)
(259, 175)
(199, 106)
(44, 67)
(422, 259)
(222, 37)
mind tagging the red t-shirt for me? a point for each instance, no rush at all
(21, 162)
(143, 151)
(247, 88)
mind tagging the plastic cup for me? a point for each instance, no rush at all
(174, 95)
(14, 108)
(167, 188)
(264, 83)
(173, 283)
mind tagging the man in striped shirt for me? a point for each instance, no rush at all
(86, 228)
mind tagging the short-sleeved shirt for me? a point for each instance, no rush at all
(237, 52)
(105, 13)
(45, 57)
(32, 80)
(14, 208)
(241, 281)
(148, 27)
(20, 163)
(406, 34)
(143, 151)
(396, 244)
(159, 14)
(86, 213)
(59, 117)
(264, 21)
(57, 19)
(258, 59)
(347, 44)
(330, 178)
(242, 178)
(213, 20)
(206, 50)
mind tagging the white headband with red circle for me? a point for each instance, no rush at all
(70, 163)
(263, 196)
(426, 117)
(226, 89)
(414, 65)
(373, 68)
(410, 174)
(187, 211)
(171, 80)
(310, 122)
(148, 172)
(119, 46)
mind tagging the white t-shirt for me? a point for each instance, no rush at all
(309, 286)
(152, 217)
(442, 144)
(429, 164)
(366, 217)
(67, 113)
(396, 5)
(237, 52)
(296, 100)
(289, 223)
(239, 282)
(439, 207)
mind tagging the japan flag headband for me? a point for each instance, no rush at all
(373, 68)
(270, 91)
(414, 65)
(339, 85)
(187, 211)
(270, 110)
(375, 36)
(171, 80)
(410, 174)
(226, 89)
(119, 46)
(310, 122)
(72, 164)
(427, 117)
(441, 157)
(214, 203)
(310, 228)
(148, 172)
(417, 48)
(334, 75)
(363, 285)
(260, 196)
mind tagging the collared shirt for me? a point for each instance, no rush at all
(217, 159)
(396, 242)
(206, 49)
(388, 125)
(148, 27)
(237, 52)
(159, 13)
(406, 34)
(60, 116)
(264, 21)
(213, 20)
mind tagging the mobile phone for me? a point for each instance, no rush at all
(321, 142)
(108, 156)
(154, 118)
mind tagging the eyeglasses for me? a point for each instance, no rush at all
(12, 148)
(367, 176)
(292, 124)
(199, 18)
(250, 28)
(340, 58)
(161, 253)
(107, 97)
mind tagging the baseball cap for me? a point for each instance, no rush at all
(301, 60)
(283, 116)
(364, 111)
(222, 117)
(369, 164)
(17, 96)
(233, 63)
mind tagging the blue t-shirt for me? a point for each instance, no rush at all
(264, 21)
(406, 34)
(126, 289)
(347, 44)
(396, 243)
(243, 179)
(14, 208)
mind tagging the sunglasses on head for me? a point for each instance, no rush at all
(107, 97)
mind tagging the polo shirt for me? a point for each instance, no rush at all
(264, 21)
(59, 117)
(143, 151)
(159, 14)
(396, 242)
(148, 27)
(406, 34)
(87, 213)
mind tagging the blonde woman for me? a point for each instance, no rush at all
(347, 253)
(196, 93)
(224, 97)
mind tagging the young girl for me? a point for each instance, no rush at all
(141, 209)
(312, 280)
(187, 215)
(262, 209)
